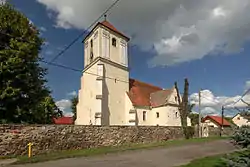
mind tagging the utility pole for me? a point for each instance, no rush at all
(199, 125)
(222, 120)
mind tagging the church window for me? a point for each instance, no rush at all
(157, 115)
(176, 114)
(114, 42)
(91, 43)
(91, 56)
(144, 115)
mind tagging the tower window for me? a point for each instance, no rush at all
(176, 114)
(91, 43)
(114, 42)
(157, 115)
(91, 56)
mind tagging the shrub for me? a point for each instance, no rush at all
(241, 137)
(189, 132)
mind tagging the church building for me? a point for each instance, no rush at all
(109, 97)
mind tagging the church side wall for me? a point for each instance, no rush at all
(115, 86)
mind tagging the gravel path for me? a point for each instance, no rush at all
(161, 157)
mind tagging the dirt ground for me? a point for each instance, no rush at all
(161, 157)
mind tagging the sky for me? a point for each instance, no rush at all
(205, 41)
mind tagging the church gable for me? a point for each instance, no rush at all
(144, 94)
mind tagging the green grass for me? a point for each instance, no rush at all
(106, 150)
(212, 161)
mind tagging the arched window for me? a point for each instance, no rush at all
(176, 114)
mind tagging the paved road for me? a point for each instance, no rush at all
(163, 157)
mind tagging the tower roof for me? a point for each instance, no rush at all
(108, 25)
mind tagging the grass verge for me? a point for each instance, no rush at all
(106, 150)
(213, 161)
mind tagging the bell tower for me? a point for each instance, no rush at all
(105, 78)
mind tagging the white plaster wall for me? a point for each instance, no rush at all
(210, 123)
(114, 90)
(86, 107)
(96, 37)
(129, 106)
(240, 121)
(149, 117)
(115, 52)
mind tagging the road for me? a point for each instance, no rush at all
(160, 157)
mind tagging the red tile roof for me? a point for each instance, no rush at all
(109, 26)
(64, 121)
(139, 92)
(217, 120)
(160, 98)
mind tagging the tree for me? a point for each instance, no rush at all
(23, 94)
(74, 102)
(184, 108)
(194, 118)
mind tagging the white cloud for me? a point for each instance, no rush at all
(211, 104)
(65, 106)
(73, 93)
(247, 85)
(178, 30)
(43, 29)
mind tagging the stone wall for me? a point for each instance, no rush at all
(216, 131)
(14, 139)
(52, 138)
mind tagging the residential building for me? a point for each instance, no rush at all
(215, 121)
(241, 119)
(109, 97)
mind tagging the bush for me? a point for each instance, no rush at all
(241, 138)
(189, 132)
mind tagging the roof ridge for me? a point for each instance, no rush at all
(144, 83)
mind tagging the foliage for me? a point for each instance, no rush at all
(189, 132)
(74, 102)
(194, 118)
(241, 138)
(24, 98)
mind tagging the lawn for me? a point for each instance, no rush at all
(106, 150)
(212, 161)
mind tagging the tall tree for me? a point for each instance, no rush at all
(183, 106)
(74, 102)
(23, 94)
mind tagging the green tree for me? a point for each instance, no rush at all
(23, 94)
(194, 118)
(74, 102)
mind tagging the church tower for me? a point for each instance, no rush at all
(105, 78)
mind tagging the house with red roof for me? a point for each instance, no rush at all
(108, 96)
(241, 119)
(216, 121)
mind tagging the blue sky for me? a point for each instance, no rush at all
(222, 74)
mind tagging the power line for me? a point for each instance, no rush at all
(81, 34)
(244, 94)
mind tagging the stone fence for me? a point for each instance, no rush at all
(52, 138)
